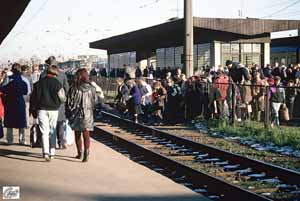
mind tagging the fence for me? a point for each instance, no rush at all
(231, 102)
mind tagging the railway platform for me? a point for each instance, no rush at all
(107, 176)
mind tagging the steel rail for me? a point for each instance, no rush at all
(273, 171)
(227, 192)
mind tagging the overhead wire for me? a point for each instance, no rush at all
(33, 16)
(149, 4)
(286, 7)
(266, 16)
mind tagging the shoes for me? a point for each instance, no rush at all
(52, 157)
(86, 156)
(79, 155)
(47, 157)
(62, 146)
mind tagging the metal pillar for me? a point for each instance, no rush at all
(189, 38)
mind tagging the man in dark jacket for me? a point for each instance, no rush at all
(47, 96)
(267, 71)
(238, 72)
(61, 120)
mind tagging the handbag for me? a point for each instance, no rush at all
(69, 134)
(35, 136)
(121, 105)
(285, 113)
(1, 132)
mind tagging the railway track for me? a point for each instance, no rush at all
(220, 174)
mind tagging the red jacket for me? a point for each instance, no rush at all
(1, 106)
(221, 83)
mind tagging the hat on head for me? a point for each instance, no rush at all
(51, 61)
(228, 62)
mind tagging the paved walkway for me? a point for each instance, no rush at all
(108, 176)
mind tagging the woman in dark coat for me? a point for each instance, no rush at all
(122, 96)
(159, 96)
(135, 100)
(80, 104)
(14, 105)
(173, 113)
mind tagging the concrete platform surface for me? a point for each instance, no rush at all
(108, 176)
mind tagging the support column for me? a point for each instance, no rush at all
(266, 54)
(216, 54)
(108, 65)
(189, 38)
(148, 61)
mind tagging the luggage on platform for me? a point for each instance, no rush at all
(69, 134)
(35, 136)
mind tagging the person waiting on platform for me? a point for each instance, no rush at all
(14, 105)
(46, 98)
(122, 97)
(277, 96)
(135, 100)
(81, 100)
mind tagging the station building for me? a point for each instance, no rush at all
(285, 47)
(215, 41)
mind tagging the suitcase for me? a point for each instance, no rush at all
(35, 136)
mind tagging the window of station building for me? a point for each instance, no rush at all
(226, 48)
(251, 54)
(235, 48)
(246, 48)
(203, 55)
(178, 53)
(256, 48)
(160, 58)
(283, 60)
(170, 57)
(293, 59)
(230, 51)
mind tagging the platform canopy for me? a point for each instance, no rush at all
(170, 34)
(11, 11)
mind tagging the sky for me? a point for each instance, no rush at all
(65, 27)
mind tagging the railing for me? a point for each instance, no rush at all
(239, 102)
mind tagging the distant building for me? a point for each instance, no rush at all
(71, 64)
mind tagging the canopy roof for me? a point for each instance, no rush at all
(11, 11)
(171, 34)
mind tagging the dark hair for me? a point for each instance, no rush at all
(277, 78)
(82, 75)
(52, 69)
(16, 68)
(228, 62)
(25, 67)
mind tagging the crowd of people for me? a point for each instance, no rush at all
(51, 101)
(45, 98)
(233, 91)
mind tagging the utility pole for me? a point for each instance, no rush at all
(189, 38)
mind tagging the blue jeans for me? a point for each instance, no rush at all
(275, 113)
(47, 123)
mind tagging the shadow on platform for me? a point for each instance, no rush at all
(30, 156)
(146, 198)
(20, 155)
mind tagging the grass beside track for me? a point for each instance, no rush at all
(280, 136)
